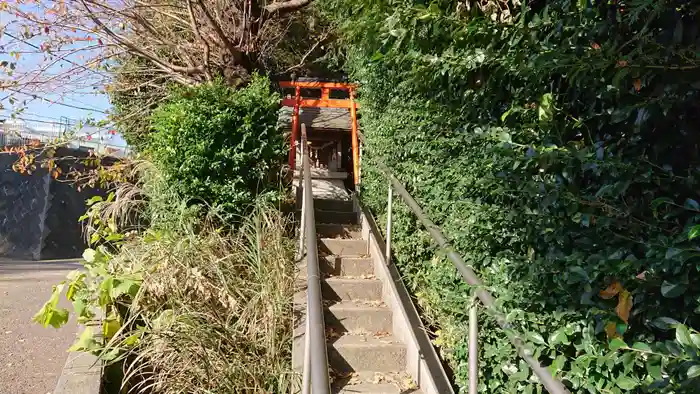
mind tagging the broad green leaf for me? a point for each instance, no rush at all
(537, 338)
(672, 290)
(110, 327)
(93, 200)
(121, 286)
(683, 335)
(82, 311)
(132, 340)
(86, 342)
(617, 343)
(89, 255)
(664, 323)
(544, 109)
(660, 201)
(50, 314)
(559, 336)
(693, 371)
(694, 232)
(654, 366)
(672, 252)
(691, 204)
(641, 346)
(626, 382)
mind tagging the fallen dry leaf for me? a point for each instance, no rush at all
(637, 84)
(381, 334)
(611, 330)
(624, 305)
(611, 291)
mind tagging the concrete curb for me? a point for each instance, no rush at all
(82, 373)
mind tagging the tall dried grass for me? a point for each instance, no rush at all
(213, 313)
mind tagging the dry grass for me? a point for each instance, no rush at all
(213, 314)
(215, 310)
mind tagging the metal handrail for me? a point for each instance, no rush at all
(315, 373)
(553, 386)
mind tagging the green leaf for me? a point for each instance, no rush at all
(694, 232)
(86, 342)
(93, 200)
(132, 340)
(579, 271)
(672, 290)
(617, 343)
(641, 346)
(110, 327)
(50, 314)
(654, 366)
(626, 382)
(557, 337)
(691, 204)
(544, 110)
(82, 310)
(537, 338)
(656, 203)
(619, 115)
(89, 255)
(505, 114)
(121, 286)
(683, 335)
(664, 323)
(694, 371)
(672, 252)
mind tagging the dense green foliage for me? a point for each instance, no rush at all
(556, 143)
(220, 146)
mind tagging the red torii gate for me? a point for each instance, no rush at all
(324, 102)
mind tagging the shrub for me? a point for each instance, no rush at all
(556, 145)
(220, 146)
(188, 307)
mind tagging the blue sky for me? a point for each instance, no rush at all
(78, 98)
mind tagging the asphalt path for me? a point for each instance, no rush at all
(31, 356)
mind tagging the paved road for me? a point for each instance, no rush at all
(31, 356)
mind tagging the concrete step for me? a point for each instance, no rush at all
(339, 231)
(334, 217)
(333, 205)
(366, 353)
(342, 247)
(344, 289)
(353, 317)
(368, 388)
(346, 266)
(371, 382)
(322, 173)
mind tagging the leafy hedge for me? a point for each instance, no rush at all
(220, 146)
(556, 143)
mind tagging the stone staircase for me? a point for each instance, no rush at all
(363, 354)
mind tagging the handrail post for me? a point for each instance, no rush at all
(388, 224)
(473, 348)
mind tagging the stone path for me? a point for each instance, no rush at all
(31, 356)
